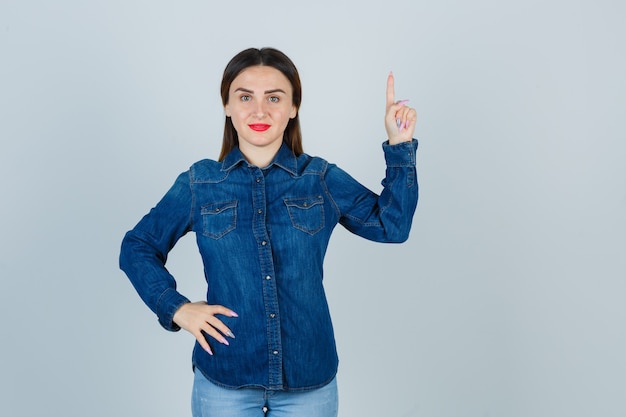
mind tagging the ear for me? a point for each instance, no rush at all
(294, 112)
(227, 110)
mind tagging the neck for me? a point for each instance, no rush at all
(259, 156)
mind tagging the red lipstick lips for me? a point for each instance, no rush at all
(259, 127)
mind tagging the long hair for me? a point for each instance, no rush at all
(272, 58)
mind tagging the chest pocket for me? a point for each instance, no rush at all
(306, 214)
(219, 218)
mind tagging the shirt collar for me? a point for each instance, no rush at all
(284, 159)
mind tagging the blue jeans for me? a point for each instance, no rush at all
(210, 400)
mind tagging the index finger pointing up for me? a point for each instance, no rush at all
(390, 90)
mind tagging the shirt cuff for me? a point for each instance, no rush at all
(401, 154)
(169, 302)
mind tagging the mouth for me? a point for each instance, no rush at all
(259, 127)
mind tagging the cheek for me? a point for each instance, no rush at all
(237, 116)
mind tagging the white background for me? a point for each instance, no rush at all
(508, 298)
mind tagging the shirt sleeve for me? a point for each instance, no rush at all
(382, 218)
(145, 249)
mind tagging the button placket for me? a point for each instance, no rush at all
(270, 292)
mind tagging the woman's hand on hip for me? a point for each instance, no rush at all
(400, 119)
(199, 319)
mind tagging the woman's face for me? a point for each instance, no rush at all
(260, 106)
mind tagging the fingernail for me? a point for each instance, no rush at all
(209, 352)
(233, 314)
(230, 334)
(402, 102)
(398, 122)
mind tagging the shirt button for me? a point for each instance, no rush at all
(275, 352)
(272, 315)
(268, 277)
(259, 211)
(258, 180)
(264, 243)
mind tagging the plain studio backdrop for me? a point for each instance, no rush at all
(508, 298)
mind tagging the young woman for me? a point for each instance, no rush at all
(263, 215)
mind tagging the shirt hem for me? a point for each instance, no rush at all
(265, 387)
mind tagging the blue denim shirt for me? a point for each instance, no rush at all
(262, 235)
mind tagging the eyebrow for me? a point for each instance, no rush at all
(276, 90)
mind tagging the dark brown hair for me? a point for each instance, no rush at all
(272, 58)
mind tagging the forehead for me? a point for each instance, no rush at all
(262, 77)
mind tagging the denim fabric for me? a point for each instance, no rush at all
(210, 400)
(262, 235)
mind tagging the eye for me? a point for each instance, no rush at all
(273, 99)
(245, 98)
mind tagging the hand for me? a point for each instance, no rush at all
(399, 119)
(199, 318)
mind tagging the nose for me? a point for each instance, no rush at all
(260, 110)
